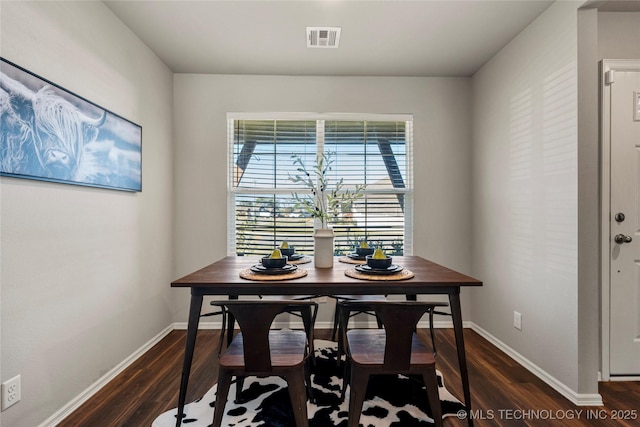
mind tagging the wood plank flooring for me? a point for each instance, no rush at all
(503, 392)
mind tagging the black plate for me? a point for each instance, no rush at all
(356, 257)
(296, 257)
(261, 269)
(393, 268)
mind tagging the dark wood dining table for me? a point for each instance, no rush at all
(222, 278)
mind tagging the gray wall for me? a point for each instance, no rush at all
(441, 111)
(619, 35)
(588, 203)
(85, 272)
(525, 221)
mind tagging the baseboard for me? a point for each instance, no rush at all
(324, 324)
(74, 404)
(578, 399)
(624, 378)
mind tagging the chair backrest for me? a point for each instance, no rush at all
(399, 320)
(255, 319)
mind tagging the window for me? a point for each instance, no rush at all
(373, 150)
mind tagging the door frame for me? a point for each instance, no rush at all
(608, 67)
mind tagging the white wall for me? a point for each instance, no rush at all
(85, 272)
(441, 111)
(525, 222)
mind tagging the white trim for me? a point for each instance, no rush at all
(319, 116)
(624, 378)
(605, 231)
(607, 65)
(76, 402)
(437, 324)
(288, 190)
(577, 399)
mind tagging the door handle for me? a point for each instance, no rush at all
(621, 238)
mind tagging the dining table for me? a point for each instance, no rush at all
(223, 278)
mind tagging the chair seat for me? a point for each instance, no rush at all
(367, 348)
(287, 349)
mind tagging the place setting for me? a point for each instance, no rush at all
(293, 258)
(359, 256)
(275, 266)
(378, 266)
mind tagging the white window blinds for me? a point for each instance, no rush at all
(376, 153)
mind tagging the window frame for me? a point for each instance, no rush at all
(407, 191)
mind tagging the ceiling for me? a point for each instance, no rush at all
(379, 38)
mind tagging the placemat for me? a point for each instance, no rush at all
(348, 260)
(304, 260)
(401, 275)
(250, 275)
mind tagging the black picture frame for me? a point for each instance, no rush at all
(48, 133)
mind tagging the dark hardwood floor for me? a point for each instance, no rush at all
(503, 392)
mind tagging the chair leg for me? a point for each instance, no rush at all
(307, 376)
(343, 322)
(378, 321)
(298, 396)
(346, 375)
(336, 320)
(433, 341)
(431, 383)
(359, 381)
(239, 385)
(308, 322)
(224, 383)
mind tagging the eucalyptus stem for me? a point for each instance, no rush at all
(322, 204)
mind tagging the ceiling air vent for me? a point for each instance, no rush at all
(323, 36)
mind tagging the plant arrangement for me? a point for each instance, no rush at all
(323, 203)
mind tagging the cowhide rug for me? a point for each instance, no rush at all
(392, 401)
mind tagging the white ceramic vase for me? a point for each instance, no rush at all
(323, 250)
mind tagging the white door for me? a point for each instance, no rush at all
(624, 273)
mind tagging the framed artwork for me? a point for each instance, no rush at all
(48, 133)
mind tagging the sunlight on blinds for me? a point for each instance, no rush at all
(373, 153)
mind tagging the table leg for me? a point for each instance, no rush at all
(456, 313)
(192, 332)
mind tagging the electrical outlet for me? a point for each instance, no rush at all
(517, 320)
(10, 392)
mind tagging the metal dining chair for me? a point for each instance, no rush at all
(395, 349)
(305, 315)
(342, 316)
(261, 351)
(304, 312)
(344, 311)
(337, 332)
